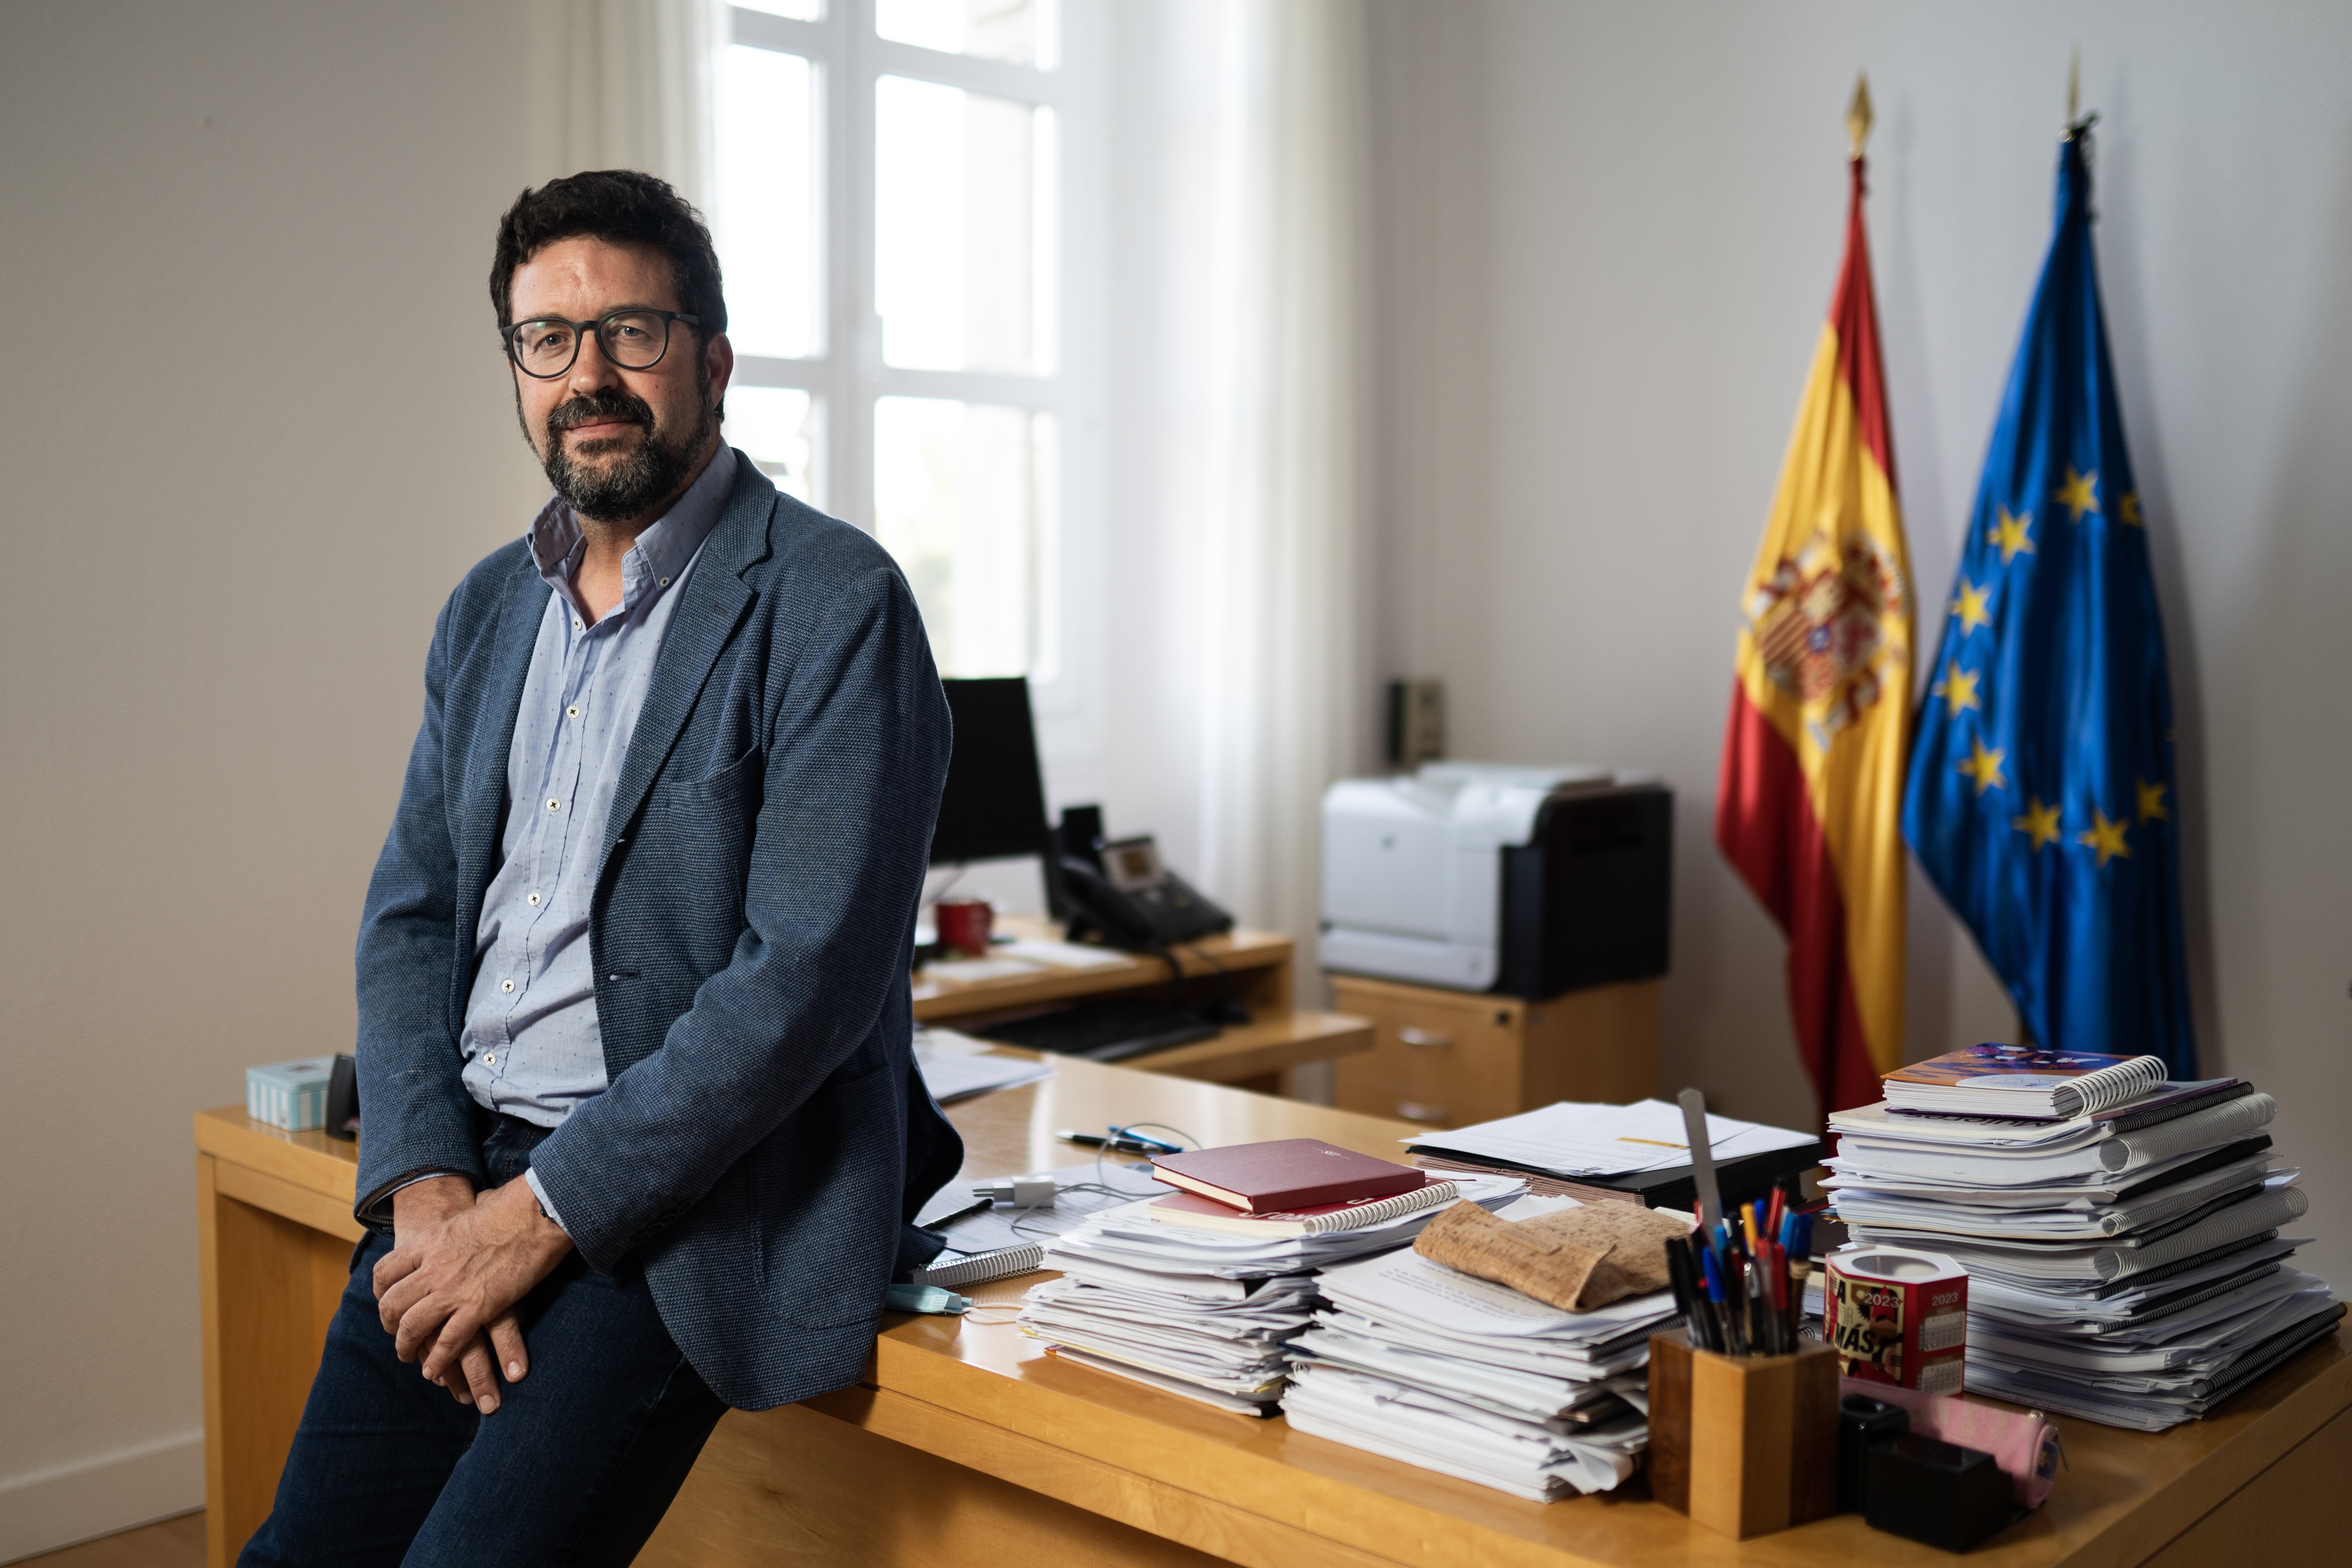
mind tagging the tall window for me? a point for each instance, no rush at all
(890, 213)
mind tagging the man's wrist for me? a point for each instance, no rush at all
(429, 1200)
(546, 1209)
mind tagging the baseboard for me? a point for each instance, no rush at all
(43, 1509)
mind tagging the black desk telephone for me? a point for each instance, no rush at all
(1121, 891)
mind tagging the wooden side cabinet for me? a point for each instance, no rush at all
(1447, 1058)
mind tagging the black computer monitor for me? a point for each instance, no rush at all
(995, 801)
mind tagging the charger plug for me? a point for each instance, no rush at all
(1021, 1192)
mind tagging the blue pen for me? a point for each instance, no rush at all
(1156, 1146)
(1726, 1331)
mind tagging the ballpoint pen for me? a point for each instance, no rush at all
(1734, 1344)
(1119, 1141)
(1751, 1291)
(1687, 1297)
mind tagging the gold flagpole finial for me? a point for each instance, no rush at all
(2075, 87)
(1857, 112)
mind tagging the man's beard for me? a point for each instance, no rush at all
(631, 487)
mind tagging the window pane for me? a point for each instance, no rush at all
(778, 428)
(967, 227)
(1025, 31)
(799, 10)
(767, 189)
(964, 496)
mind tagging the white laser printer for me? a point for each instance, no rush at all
(1528, 881)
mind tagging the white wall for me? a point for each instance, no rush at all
(223, 561)
(1608, 239)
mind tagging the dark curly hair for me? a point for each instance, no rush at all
(620, 206)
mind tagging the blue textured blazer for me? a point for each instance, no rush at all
(765, 1140)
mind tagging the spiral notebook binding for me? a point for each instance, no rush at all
(1395, 1207)
(2113, 1086)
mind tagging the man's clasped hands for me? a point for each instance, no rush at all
(458, 1267)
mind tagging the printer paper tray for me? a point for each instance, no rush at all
(1461, 965)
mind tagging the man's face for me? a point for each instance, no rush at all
(615, 442)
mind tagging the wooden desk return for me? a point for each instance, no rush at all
(1253, 968)
(967, 1444)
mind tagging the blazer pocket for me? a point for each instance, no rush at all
(736, 783)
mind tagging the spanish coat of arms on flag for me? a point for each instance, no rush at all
(1807, 808)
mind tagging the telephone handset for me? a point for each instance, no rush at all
(1134, 901)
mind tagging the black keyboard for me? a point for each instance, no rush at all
(1105, 1031)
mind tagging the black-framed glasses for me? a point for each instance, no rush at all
(634, 339)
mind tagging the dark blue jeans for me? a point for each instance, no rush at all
(577, 1465)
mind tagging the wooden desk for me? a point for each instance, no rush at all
(968, 1443)
(1252, 968)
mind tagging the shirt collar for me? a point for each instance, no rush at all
(660, 553)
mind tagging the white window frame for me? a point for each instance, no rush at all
(847, 375)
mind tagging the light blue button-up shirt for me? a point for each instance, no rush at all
(531, 1043)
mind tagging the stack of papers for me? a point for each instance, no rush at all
(957, 1067)
(1205, 1313)
(2133, 1277)
(1409, 1359)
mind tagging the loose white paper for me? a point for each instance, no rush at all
(1578, 1139)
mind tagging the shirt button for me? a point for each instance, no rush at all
(555, 805)
(506, 986)
(665, 582)
(534, 899)
(575, 623)
(490, 1060)
(574, 710)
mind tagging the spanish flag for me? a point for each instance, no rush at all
(1810, 804)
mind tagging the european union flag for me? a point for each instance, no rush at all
(2042, 798)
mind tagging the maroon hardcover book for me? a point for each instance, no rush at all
(1284, 1173)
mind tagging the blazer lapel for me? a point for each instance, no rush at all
(512, 641)
(715, 598)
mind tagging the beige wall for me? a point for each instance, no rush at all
(223, 559)
(1607, 237)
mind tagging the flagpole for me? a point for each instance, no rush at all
(2077, 122)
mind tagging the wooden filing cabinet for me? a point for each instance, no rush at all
(1447, 1058)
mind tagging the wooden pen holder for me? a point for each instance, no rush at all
(1744, 1444)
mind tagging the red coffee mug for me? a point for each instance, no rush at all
(963, 924)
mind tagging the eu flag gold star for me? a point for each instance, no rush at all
(1959, 688)
(1972, 607)
(2106, 837)
(2040, 823)
(2011, 534)
(1984, 766)
(2128, 510)
(2080, 492)
(2152, 802)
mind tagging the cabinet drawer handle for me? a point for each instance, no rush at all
(1423, 1038)
(1414, 1111)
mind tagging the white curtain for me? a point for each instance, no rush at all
(1286, 694)
(630, 88)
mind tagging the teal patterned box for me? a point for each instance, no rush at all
(292, 1095)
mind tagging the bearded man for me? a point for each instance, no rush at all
(641, 1135)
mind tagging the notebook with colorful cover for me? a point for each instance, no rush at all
(2022, 1081)
(1196, 1213)
(2162, 1104)
(1284, 1173)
